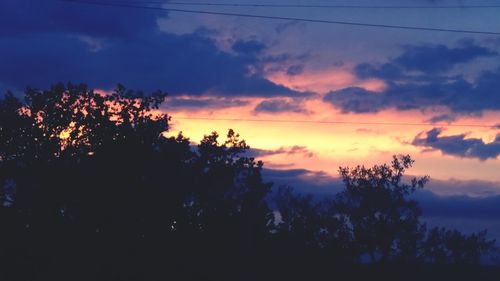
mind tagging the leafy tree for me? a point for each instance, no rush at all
(384, 221)
(93, 188)
(444, 246)
(311, 226)
(300, 220)
(97, 168)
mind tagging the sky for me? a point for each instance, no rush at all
(335, 83)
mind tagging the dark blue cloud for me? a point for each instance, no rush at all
(355, 99)
(419, 79)
(295, 70)
(427, 59)
(438, 58)
(316, 183)
(466, 214)
(471, 188)
(250, 47)
(385, 71)
(458, 145)
(459, 95)
(209, 102)
(103, 46)
(458, 206)
(443, 118)
(280, 105)
(25, 17)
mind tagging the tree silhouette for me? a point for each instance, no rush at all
(384, 222)
(308, 226)
(98, 169)
(443, 246)
(93, 188)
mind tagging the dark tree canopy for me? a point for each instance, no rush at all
(98, 169)
(93, 188)
(383, 220)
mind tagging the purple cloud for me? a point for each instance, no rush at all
(458, 145)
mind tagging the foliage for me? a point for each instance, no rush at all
(443, 246)
(92, 183)
(381, 217)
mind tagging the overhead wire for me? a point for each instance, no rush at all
(245, 15)
(126, 4)
(334, 122)
(340, 6)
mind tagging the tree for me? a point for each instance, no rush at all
(92, 184)
(300, 220)
(443, 246)
(311, 226)
(375, 202)
(77, 165)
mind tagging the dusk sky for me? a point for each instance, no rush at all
(220, 68)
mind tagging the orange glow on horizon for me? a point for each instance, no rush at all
(334, 145)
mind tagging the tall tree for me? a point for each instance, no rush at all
(98, 168)
(375, 202)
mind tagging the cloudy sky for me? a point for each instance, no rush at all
(436, 93)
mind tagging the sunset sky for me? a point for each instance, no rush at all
(433, 95)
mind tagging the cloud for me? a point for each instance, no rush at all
(458, 206)
(103, 46)
(469, 188)
(295, 69)
(355, 99)
(24, 18)
(280, 105)
(205, 102)
(293, 150)
(463, 213)
(424, 59)
(316, 183)
(457, 94)
(458, 145)
(420, 79)
(442, 118)
(250, 47)
(438, 58)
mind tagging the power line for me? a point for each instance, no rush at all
(333, 122)
(340, 6)
(387, 26)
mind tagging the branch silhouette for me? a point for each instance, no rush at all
(92, 188)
